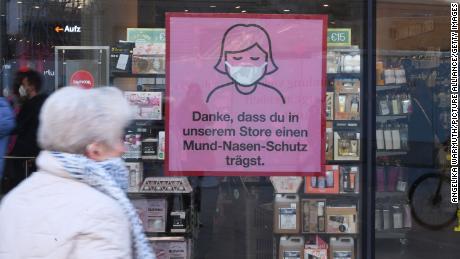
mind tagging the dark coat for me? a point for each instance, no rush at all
(27, 128)
(7, 124)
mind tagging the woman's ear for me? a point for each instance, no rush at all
(94, 152)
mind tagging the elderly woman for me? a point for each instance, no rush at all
(75, 205)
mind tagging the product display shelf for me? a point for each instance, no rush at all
(325, 236)
(189, 208)
(337, 199)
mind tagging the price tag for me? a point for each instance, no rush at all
(338, 37)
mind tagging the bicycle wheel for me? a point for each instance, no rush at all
(429, 198)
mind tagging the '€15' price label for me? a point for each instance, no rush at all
(339, 37)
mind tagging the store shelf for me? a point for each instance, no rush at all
(389, 87)
(392, 234)
(390, 153)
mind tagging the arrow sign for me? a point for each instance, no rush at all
(58, 29)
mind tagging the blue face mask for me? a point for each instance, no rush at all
(117, 169)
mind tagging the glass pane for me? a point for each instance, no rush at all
(414, 217)
(245, 216)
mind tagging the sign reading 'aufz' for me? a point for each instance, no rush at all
(67, 28)
(245, 94)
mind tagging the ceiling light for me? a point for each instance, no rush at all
(185, 10)
(36, 7)
(286, 10)
(19, 2)
(212, 6)
(325, 5)
(243, 11)
(80, 6)
(2, 15)
(237, 7)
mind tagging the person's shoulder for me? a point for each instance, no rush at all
(36, 102)
(4, 102)
(41, 98)
(102, 202)
(77, 194)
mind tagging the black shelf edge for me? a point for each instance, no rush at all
(343, 74)
(389, 87)
(136, 195)
(390, 153)
(318, 233)
(390, 193)
(394, 115)
(391, 234)
(168, 234)
(128, 75)
(343, 162)
(140, 160)
(331, 195)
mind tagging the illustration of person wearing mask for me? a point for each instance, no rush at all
(246, 58)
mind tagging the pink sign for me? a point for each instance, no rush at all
(245, 94)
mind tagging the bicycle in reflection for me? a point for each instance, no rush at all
(430, 195)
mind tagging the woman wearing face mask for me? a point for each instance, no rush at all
(246, 58)
(75, 205)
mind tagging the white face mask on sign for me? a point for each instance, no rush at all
(22, 91)
(246, 75)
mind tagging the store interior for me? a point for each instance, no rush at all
(238, 217)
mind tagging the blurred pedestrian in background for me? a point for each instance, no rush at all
(75, 205)
(28, 85)
(7, 123)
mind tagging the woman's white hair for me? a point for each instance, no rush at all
(72, 118)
